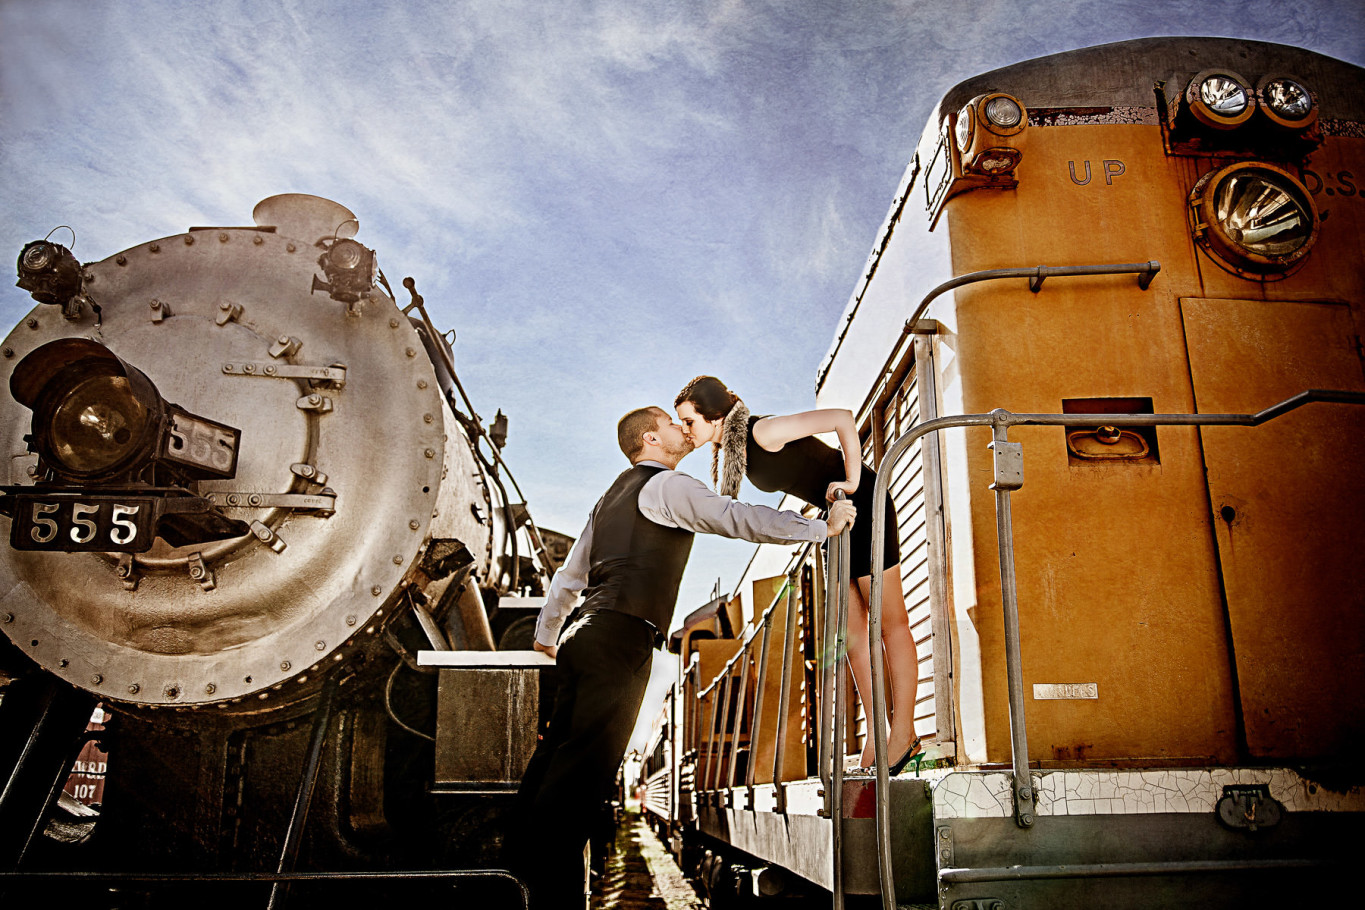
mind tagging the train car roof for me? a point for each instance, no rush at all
(1123, 74)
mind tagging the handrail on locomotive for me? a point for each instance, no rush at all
(1008, 461)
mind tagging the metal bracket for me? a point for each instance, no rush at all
(335, 375)
(1009, 465)
(1249, 806)
(228, 312)
(1025, 801)
(314, 402)
(201, 573)
(285, 346)
(267, 536)
(943, 838)
(127, 571)
(159, 310)
(316, 502)
(309, 473)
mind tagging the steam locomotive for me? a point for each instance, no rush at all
(245, 490)
(1106, 353)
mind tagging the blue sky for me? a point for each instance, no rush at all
(603, 199)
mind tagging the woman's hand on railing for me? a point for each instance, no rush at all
(841, 515)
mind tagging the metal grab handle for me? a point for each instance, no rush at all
(1000, 421)
(837, 581)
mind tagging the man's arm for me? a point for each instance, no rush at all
(569, 579)
(678, 500)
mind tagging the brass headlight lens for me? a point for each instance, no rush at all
(97, 426)
(1256, 218)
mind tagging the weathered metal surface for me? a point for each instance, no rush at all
(325, 565)
(485, 728)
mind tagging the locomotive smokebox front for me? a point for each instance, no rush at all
(239, 483)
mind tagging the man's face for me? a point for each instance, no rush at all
(672, 439)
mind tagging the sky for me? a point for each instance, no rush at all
(602, 199)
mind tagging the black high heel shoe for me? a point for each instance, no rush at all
(904, 760)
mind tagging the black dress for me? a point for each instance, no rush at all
(805, 468)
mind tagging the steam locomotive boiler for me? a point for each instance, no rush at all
(243, 491)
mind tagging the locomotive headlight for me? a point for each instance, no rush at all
(964, 128)
(1003, 113)
(97, 419)
(1286, 101)
(349, 267)
(1220, 99)
(1256, 219)
(49, 272)
(987, 134)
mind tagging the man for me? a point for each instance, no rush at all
(628, 562)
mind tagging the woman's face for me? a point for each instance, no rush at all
(698, 428)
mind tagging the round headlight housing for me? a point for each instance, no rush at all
(1287, 101)
(965, 127)
(1256, 219)
(95, 418)
(1220, 98)
(1003, 112)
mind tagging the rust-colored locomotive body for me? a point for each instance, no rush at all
(1134, 580)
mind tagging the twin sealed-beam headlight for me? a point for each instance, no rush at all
(97, 419)
(1257, 219)
(1222, 99)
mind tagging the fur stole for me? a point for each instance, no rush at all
(734, 437)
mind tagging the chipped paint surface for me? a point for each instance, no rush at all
(987, 794)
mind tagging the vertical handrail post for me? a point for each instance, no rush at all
(742, 662)
(838, 582)
(1009, 475)
(724, 691)
(784, 682)
(757, 724)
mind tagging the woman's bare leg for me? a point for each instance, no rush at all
(859, 658)
(901, 663)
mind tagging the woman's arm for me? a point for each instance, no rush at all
(772, 433)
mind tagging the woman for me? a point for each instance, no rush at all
(782, 453)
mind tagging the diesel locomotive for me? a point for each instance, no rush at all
(1106, 352)
(245, 490)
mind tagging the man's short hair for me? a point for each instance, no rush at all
(635, 425)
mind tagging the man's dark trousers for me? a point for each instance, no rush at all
(603, 668)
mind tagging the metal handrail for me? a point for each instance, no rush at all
(1035, 274)
(1000, 421)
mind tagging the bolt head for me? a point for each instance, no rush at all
(285, 665)
(134, 689)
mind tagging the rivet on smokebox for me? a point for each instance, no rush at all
(421, 383)
(430, 453)
(210, 689)
(258, 240)
(134, 689)
(285, 665)
(96, 679)
(398, 560)
(122, 260)
(321, 645)
(427, 418)
(222, 238)
(9, 352)
(290, 247)
(189, 240)
(350, 620)
(411, 352)
(414, 524)
(393, 323)
(376, 590)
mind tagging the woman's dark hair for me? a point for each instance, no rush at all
(709, 396)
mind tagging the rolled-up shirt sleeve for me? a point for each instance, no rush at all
(681, 501)
(570, 578)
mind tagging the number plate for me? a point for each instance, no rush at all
(122, 524)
